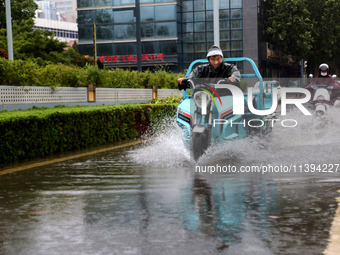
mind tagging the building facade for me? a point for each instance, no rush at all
(47, 10)
(63, 31)
(173, 33)
(67, 10)
(61, 10)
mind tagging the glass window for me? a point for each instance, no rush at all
(209, 4)
(164, 1)
(210, 15)
(104, 49)
(85, 33)
(104, 33)
(236, 45)
(165, 12)
(123, 16)
(224, 14)
(199, 16)
(188, 47)
(224, 35)
(188, 16)
(210, 26)
(199, 36)
(147, 13)
(123, 2)
(210, 36)
(124, 48)
(188, 37)
(86, 49)
(150, 47)
(201, 56)
(236, 35)
(179, 28)
(166, 29)
(236, 24)
(124, 32)
(224, 24)
(147, 30)
(200, 47)
(236, 4)
(237, 54)
(227, 54)
(236, 14)
(103, 16)
(224, 4)
(225, 46)
(147, 1)
(188, 58)
(200, 26)
(188, 27)
(199, 5)
(101, 3)
(168, 47)
(85, 17)
(187, 6)
(85, 3)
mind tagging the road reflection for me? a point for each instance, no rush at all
(108, 204)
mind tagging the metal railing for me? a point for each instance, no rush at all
(36, 95)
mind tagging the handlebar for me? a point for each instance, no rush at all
(189, 83)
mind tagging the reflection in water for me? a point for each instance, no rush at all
(147, 200)
(223, 211)
(217, 213)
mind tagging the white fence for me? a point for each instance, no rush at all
(34, 95)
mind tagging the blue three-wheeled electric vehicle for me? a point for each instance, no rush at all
(217, 112)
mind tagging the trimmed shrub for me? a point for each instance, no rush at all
(41, 132)
(28, 73)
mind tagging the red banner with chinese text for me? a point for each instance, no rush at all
(131, 58)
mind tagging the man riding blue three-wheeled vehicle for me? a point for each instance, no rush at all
(217, 109)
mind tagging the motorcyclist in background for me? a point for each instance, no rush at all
(325, 79)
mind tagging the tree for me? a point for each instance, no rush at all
(326, 20)
(289, 27)
(21, 10)
(304, 28)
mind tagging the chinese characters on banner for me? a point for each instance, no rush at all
(131, 58)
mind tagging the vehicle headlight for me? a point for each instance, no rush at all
(202, 98)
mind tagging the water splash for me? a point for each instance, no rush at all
(166, 147)
(306, 143)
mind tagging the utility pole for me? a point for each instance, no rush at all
(138, 36)
(216, 14)
(95, 43)
(9, 30)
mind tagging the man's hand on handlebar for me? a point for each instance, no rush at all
(183, 83)
(232, 79)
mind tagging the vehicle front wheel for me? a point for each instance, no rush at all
(200, 143)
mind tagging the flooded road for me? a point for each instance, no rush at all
(151, 199)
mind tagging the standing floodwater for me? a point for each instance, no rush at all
(149, 200)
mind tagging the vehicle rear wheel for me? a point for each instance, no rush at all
(200, 143)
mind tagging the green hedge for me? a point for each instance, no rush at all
(27, 73)
(41, 132)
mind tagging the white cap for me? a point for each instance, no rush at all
(214, 50)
